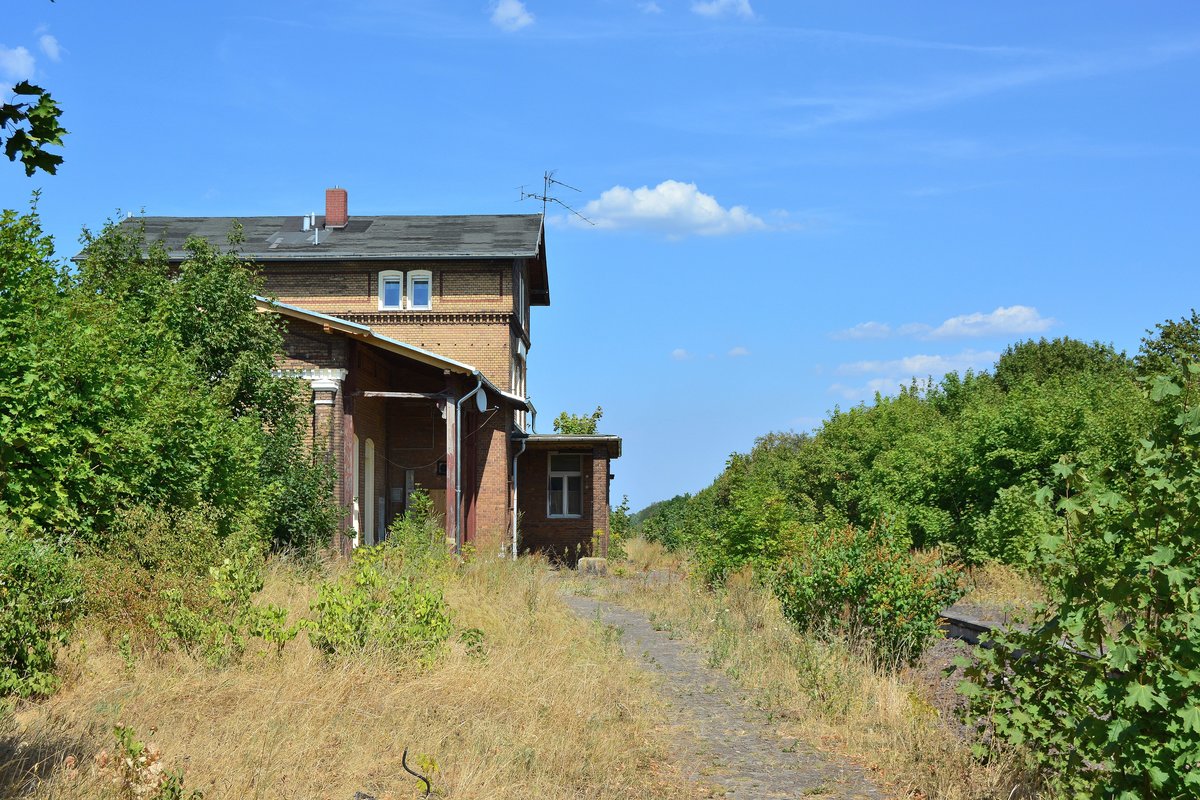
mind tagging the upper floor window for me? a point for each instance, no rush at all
(564, 496)
(420, 290)
(391, 290)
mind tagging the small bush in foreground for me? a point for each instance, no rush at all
(865, 581)
(391, 598)
(220, 627)
(39, 600)
(375, 606)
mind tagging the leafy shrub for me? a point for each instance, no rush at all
(1102, 695)
(865, 581)
(375, 605)
(391, 597)
(1012, 528)
(418, 537)
(39, 601)
(147, 552)
(219, 626)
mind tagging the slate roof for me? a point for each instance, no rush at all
(382, 237)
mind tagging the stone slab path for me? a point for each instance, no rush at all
(721, 739)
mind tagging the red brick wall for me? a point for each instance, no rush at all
(565, 539)
(490, 515)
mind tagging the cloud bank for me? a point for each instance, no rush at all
(885, 376)
(1004, 321)
(673, 208)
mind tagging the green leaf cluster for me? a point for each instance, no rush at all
(31, 125)
(219, 627)
(578, 424)
(39, 603)
(1101, 695)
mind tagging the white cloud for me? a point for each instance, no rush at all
(738, 352)
(922, 366)
(717, 8)
(866, 330)
(50, 47)
(886, 376)
(16, 64)
(511, 15)
(650, 8)
(1004, 321)
(674, 208)
(679, 354)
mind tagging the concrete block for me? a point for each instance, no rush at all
(593, 566)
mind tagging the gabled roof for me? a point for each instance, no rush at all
(283, 239)
(365, 334)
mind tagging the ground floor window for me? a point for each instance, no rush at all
(565, 491)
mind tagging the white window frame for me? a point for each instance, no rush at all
(566, 495)
(520, 296)
(414, 276)
(391, 275)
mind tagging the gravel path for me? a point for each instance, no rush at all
(721, 739)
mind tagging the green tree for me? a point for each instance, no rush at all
(1169, 346)
(133, 381)
(1044, 359)
(576, 425)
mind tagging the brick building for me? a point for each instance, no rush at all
(413, 333)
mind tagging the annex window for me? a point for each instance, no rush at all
(391, 290)
(420, 290)
(565, 491)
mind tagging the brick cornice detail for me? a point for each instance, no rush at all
(427, 317)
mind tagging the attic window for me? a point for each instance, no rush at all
(420, 290)
(391, 290)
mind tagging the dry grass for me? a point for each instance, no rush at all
(1000, 587)
(826, 693)
(645, 556)
(551, 710)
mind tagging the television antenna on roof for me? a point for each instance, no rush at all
(548, 180)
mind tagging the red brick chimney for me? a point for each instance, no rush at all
(336, 212)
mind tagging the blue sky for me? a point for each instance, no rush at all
(796, 204)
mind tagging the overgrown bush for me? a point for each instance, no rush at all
(131, 380)
(856, 581)
(1102, 694)
(39, 602)
(147, 553)
(218, 625)
(391, 597)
